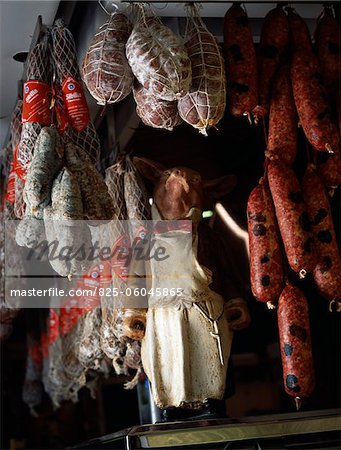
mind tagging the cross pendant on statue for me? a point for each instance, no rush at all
(216, 335)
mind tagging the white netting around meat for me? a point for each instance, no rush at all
(105, 69)
(158, 58)
(205, 104)
(155, 112)
(38, 67)
(136, 198)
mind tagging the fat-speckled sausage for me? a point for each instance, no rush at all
(312, 103)
(327, 39)
(299, 33)
(295, 343)
(282, 141)
(292, 217)
(274, 43)
(329, 168)
(327, 273)
(241, 62)
(266, 268)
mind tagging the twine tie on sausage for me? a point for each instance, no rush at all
(338, 306)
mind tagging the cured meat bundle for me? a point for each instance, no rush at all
(155, 112)
(312, 104)
(292, 217)
(158, 59)
(327, 273)
(295, 344)
(274, 43)
(18, 171)
(205, 103)
(105, 69)
(135, 194)
(38, 69)
(299, 32)
(265, 245)
(241, 62)
(81, 131)
(329, 168)
(327, 38)
(282, 141)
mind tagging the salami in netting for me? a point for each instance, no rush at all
(105, 69)
(204, 105)
(158, 59)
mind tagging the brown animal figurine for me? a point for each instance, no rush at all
(187, 340)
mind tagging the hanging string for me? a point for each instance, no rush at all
(113, 4)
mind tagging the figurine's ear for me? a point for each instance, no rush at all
(219, 187)
(149, 169)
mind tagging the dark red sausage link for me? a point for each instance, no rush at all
(295, 343)
(327, 273)
(266, 269)
(274, 42)
(241, 62)
(282, 141)
(292, 217)
(327, 39)
(299, 33)
(329, 168)
(312, 103)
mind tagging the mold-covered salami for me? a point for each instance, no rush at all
(295, 343)
(266, 268)
(282, 141)
(292, 217)
(274, 43)
(299, 33)
(241, 62)
(327, 38)
(155, 112)
(46, 163)
(312, 103)
(327, 273)
(158, 59)
(105, 69)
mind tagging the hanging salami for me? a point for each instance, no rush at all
(327, 273)
(105, 69)
(241, 62)
(35, 99)
(274, 44)
(292, 217)
(282, 141)
(295, 344)
(204, 105)
(81, 130)
(158, 59)
(312, 104)
(266, 267)
(155, 112)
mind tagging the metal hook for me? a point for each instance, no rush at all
(112, 5)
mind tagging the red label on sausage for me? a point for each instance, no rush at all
(75, 103)
(18, 168)
(61, 118)
(119, 261)
(10, 193)
(36, 104)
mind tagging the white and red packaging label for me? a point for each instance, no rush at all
(75, 103)
(36, 104)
